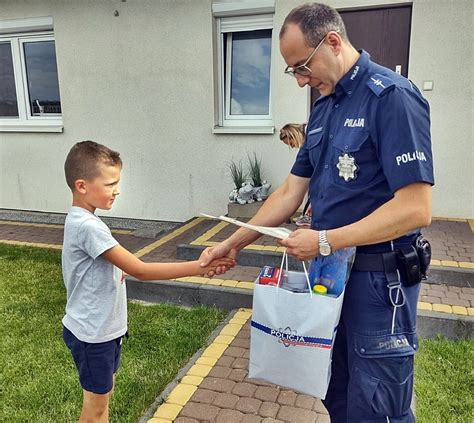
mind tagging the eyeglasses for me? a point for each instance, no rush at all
(303, 69)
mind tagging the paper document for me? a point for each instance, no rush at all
(278, 232)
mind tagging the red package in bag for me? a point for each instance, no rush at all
(269, 275)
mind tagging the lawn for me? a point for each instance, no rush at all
(444, 381)
(38, 380)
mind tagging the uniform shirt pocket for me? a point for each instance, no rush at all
(313, 145)
(354, 160)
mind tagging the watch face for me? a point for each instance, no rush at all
(325, 250)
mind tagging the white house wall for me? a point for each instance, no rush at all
(448, 61)
(142, 83)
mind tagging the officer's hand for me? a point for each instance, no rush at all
(212, 253)
(302, 244)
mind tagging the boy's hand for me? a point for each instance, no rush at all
(216, 252)
(222, 263)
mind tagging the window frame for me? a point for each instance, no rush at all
(228, 94)
(22, 42)
(241, 123)
(17, 35)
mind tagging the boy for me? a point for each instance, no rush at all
(93, 263)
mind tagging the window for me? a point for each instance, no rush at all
(244, 53)
(247, 74)
(29, 88)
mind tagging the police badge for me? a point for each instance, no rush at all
(347, 167)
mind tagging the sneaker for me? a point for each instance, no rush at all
(303, 220)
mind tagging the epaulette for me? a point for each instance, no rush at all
(380, 84)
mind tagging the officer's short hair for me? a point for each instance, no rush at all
(84, 159)
(315, 21)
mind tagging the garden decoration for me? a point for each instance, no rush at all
(248, 191)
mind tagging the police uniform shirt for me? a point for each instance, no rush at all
(365, 141)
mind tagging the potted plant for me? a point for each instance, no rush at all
(247, 195)
(238, 177)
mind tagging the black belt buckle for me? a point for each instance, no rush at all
(408, 265)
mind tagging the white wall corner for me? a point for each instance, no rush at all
(44, 23)
(244, 7)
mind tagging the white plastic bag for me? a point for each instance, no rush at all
(292, 337)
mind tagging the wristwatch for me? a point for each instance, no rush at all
(324, 247)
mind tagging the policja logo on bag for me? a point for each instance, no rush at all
(289, 337)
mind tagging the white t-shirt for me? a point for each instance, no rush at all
(96, 309)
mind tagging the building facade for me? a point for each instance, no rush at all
(183, 87)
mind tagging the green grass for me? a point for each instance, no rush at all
(444, 381)
(38, 380)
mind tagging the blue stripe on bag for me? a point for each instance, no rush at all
(289, 337)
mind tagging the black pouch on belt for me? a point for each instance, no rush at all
(423, 248)
(408, 264)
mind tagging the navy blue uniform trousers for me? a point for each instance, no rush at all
(372, 363)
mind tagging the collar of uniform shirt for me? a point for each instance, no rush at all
(352, 78)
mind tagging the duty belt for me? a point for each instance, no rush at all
(377, 262)
(407, 263)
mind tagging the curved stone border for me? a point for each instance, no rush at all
(58, 218)
(31, 244)
(432, 323)
(175, 396)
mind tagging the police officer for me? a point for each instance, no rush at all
(367, 162)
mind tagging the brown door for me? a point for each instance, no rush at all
(384, 32)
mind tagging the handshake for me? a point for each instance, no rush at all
(220, 258)
(217, 260)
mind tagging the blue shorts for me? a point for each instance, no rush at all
(96, 363)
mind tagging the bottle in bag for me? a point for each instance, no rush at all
(320, 289)
(332, 271)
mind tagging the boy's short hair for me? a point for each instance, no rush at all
(83, 160)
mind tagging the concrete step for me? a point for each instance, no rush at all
(453, 276)
(430, 323)
(245, 258)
